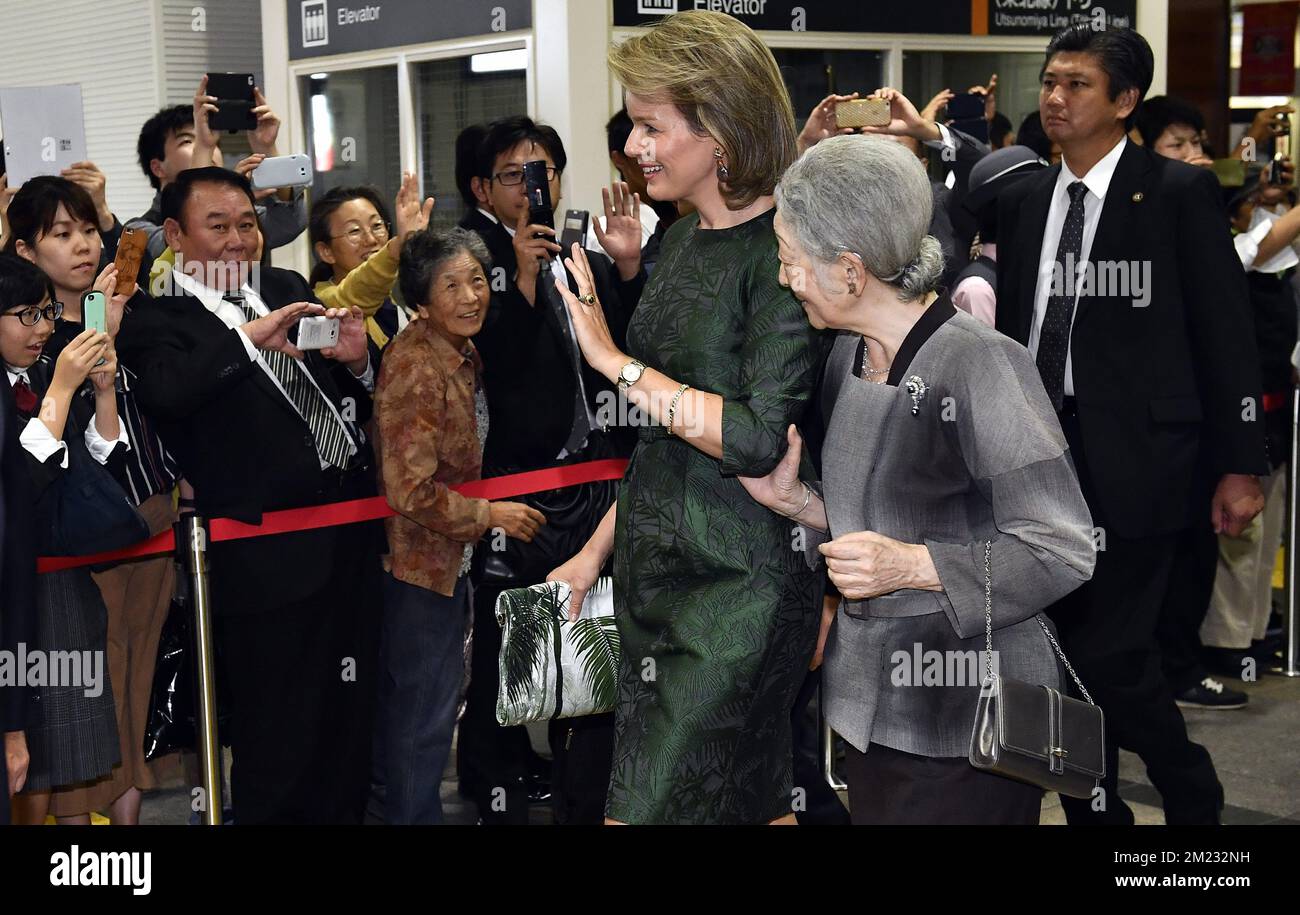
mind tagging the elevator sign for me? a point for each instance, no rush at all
(324, 27)
(943, 17)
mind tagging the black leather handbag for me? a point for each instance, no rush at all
(572, 515)
(92, 513)
(1033, 733)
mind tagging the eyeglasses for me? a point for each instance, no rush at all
(378, 231)
(31, 315)
(514, 176)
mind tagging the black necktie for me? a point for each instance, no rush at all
(581, 421)
(1054, 337)
(332, 441)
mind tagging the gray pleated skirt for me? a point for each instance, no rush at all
(71, 737)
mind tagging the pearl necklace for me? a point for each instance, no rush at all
(867, 371)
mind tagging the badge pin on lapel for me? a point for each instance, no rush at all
(916, 388)
(1137, 197)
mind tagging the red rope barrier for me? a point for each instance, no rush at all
(352, 512)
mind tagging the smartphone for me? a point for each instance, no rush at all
(317, 332)
(540, 208)
(282, 171)
(575, 230)
(94, 313)
(234, 94)
(966, 106)
(862, 112)
(130, 252)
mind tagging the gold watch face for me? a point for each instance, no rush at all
(631, 373)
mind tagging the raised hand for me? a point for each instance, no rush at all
(261, 139)
(821, 122)
(205, 141)
(88, 176)
(621, 234)
(409, 214)
(589, 324)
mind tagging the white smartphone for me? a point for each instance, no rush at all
(317, 332)
(282, 171)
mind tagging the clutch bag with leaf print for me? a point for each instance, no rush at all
(551, 667)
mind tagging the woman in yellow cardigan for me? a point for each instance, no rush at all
(357, 251)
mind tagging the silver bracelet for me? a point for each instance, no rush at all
(672, 407)
(807, 500)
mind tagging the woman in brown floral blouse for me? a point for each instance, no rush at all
(431, 421)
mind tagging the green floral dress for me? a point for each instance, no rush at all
(716, 608)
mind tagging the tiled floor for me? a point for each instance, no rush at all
(1256, 750)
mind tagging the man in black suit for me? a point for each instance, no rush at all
(258, 425)
(546, 407)
(1150, 360)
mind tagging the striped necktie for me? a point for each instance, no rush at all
(332, 441)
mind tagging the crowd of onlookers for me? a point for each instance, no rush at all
(349, 656)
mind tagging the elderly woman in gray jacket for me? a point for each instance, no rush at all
(939, 438)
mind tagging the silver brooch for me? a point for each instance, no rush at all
(916, 387)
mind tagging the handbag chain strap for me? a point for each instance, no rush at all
(988, 627)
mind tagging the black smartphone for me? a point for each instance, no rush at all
(966, 106)
(234, 94)
(540, 208)
(974, 127)
(575, 230)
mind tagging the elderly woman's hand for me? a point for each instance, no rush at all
(594, 337)
(780, 490)
(866, 564)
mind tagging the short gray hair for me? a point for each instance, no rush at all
(424, 253)
(868, 196)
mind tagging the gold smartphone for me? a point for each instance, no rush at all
(130, 252)
(862, 112)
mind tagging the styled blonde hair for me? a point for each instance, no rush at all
(726, 84)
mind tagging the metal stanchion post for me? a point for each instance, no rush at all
(828, 748)
(192, 550)
(1291, 652)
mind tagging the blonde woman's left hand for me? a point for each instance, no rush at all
(594, 337)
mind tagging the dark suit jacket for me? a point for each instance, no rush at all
(241, 444)
(18, 563)
(952, 223)
(527, 370)
(1165, 391)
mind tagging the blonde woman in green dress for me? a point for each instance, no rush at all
(716, 610)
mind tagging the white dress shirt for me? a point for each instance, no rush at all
(38, 441)
(233, 317)
(1097, 182)
(1247, 244)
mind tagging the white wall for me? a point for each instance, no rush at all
(106, 46)
(130, 57)
(1153, 23)
(572, 90)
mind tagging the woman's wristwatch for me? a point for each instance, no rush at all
(630, 374)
